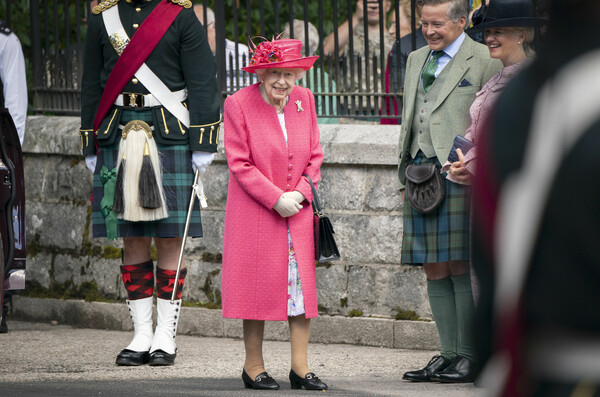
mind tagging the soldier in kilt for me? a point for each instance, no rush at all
(143, 156)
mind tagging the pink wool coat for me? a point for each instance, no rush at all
(261, 169)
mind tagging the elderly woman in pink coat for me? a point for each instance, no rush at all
(271, 141)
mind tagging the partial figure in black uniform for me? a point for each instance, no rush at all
(13, 105)
(537, 221)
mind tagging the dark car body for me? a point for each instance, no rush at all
(12, 207)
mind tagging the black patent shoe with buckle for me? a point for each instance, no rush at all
(161, 358)
(435, 365)
(130, 358)
(309, 382)
(263, 381)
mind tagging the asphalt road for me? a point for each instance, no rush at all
(58, 360)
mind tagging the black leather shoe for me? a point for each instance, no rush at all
(161, 358)
(263, 381)
(435, 365)
(3, 326)
(460, 370)
(309, 382)
(131, 358)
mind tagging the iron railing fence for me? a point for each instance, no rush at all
(57, 34)
(348, 82)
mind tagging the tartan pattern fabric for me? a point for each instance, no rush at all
(165, 279)
(429, 70)
(177, 179)
(138, 280)
(443, 235)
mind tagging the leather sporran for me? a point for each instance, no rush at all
(326, 249)
(425, 188)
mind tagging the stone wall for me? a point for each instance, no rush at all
(358, 191)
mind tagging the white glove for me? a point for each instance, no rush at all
(287, 207)
(295, 195)
(201, 160)
(90, 162)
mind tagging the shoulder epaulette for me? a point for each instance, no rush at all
(183, 3)
(4, 28)
(103, 6)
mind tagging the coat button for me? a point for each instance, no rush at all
(425, 101)
(138, 9)
(288, 187)
(134, 80)
(289, 166)
(135, 26)
(289, 176)
(290, 156)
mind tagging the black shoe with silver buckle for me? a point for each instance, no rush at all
(435, 365)
(263, 381)
(309, 382)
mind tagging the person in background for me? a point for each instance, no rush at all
(317, 84)
(508, 32)
(13, 96)
(373, 26)
(272, 142)
(396, 60)
(441, 83)
(235, 79)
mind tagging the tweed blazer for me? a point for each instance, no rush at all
(261, 168)
(468, 72)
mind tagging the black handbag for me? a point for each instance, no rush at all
(326, 249)
(425, 188)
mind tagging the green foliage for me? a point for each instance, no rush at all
(355, 313)
(407, 315)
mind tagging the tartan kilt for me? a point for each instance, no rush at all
(443, 235)
(177, 180)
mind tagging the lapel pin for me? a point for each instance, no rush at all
(299, 104)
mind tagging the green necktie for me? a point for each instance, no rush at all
(429, 70)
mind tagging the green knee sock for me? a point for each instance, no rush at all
(465, 311)
(441, 300)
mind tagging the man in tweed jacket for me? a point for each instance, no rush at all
(441, 82)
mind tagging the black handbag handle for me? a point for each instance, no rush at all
(315, 203)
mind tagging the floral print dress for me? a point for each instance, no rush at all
(295, 305)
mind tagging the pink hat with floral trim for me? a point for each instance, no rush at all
(284, 53)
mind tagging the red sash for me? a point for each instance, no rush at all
(135, 54)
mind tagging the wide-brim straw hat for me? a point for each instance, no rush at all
(508, 13)
(283, 53)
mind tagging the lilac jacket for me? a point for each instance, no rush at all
(481, 107)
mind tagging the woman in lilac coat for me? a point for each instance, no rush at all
(271, 141)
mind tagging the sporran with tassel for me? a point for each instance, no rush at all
(139, 195)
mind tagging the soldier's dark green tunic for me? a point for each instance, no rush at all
(182, 59)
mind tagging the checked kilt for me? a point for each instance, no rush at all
(177, 178)
(443, 235)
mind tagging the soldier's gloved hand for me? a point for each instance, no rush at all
(90, 162)
(295, 195)
(287, 207)
(201, 160)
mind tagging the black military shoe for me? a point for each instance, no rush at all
(162, 358)
(130, 358)
(3, 326)
(435, 365)
(460, 370)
